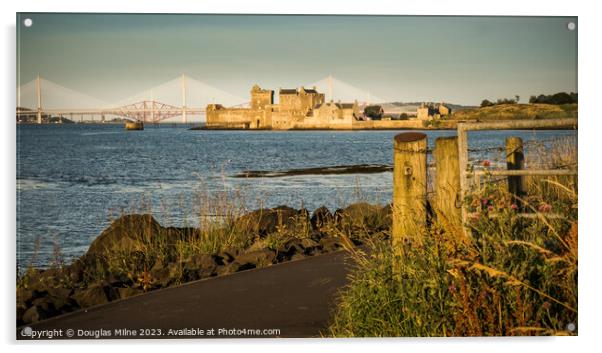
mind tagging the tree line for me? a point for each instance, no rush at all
(488, 103)
(557, 98)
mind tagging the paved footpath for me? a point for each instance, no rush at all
(296, 298)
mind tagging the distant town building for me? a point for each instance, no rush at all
(429, 111)
(336, 115)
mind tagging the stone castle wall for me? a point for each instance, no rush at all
(237, 118)
(305, 109)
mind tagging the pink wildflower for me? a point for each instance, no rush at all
(545, 207)
(486, 163)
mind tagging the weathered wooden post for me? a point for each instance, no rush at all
(409, 189)
(515, 160)
(448, 198)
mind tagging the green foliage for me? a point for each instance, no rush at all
(404, 116)
(486, 103)
(374, 111)
(432, 123)
(558, 98)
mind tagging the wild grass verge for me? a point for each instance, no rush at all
(511, 276)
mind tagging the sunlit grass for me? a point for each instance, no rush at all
(512, 276)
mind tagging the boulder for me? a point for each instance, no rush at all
(60, 292)
(268, 221)
(128, 292)
(127, 233)
(85, 267)
(33, 315)
(45, 305)
(96, 294)
(226, 256)
(258, 244)
(55, 305)
(25, 296)
(321, 217)
(165, 275)
(254, 259)
(20, 312)
(309, 245)
(331, 243)
(199, 266)
(297, 257)
(227, 269)
(362, 216)
(297, 247)
(119, 280)
(130, 233)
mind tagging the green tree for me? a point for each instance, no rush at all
(487, 103)
(374, 111)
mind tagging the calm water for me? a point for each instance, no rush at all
(73, 179)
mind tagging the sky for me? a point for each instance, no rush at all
(460, 60)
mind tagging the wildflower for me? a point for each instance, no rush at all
(486, 163)
(490, 208)
(484, 202)
(514, 207)
(451, 288)
(475, 216)
(545, 207)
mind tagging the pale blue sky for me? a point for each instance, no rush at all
(455, 59)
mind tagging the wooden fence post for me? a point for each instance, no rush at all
(448, 196)
(515, 160)
(409, 189)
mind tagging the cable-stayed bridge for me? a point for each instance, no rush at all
(183, 97)
(337, 90)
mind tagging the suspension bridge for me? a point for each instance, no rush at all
(183, 97)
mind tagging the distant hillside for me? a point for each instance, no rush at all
(411, 107)
(517, 111)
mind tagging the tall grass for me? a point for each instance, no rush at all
(512, 276)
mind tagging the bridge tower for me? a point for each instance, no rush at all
(330, 99)
(183, 99)
(39, 99)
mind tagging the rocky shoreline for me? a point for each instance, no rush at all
(333, 170)
(135, 254)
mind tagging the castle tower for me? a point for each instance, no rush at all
(260, 98)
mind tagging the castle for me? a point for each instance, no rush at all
(301, 108)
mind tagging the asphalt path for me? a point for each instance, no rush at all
(291, 299)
